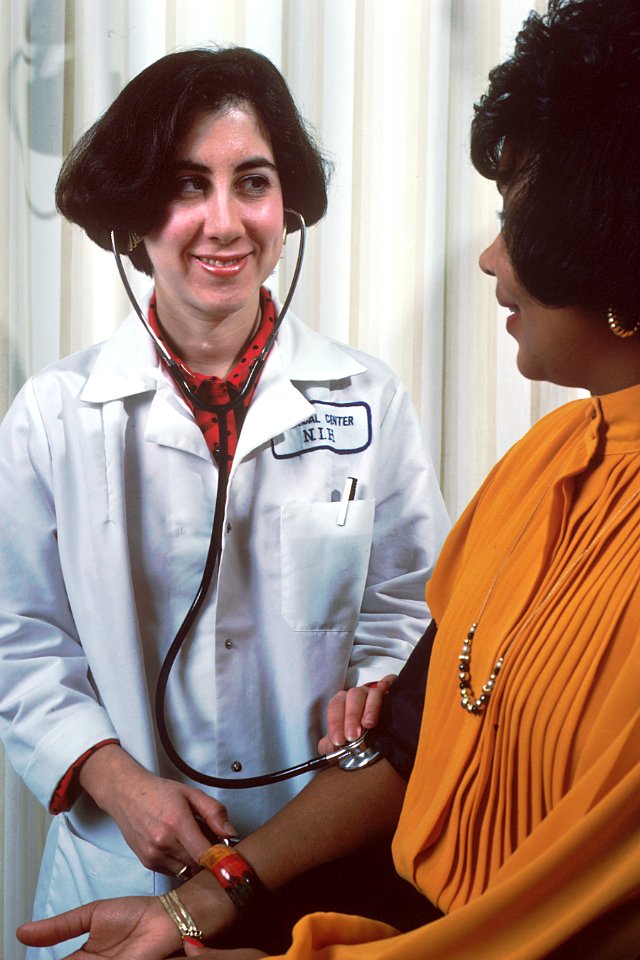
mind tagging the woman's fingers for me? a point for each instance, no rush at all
(66, 926)
(210, 822)
(350, 712)
(375, 698)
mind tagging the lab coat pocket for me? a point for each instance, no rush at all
(323, 564)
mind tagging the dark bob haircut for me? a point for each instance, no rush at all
(119, 176)
(567, 107)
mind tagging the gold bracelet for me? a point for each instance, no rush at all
(183, 920)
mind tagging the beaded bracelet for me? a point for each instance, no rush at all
(237, 878)
(187, 927)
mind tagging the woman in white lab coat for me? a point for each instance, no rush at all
(108, 482)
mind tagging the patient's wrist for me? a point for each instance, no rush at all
(208, 904)
(184, 922)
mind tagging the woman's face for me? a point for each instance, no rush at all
(222, 231)
(555, 344)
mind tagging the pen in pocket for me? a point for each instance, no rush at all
(348, 494)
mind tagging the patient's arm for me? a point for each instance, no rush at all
(334, 815)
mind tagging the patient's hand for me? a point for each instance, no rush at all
(128, 928)
(351, 712)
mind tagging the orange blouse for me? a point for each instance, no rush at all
(523, 823)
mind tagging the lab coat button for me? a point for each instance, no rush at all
(229, 528)
(236, 766)
(228, 644)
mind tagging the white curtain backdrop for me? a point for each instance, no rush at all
(389, 88)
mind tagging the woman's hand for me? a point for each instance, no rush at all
(129, 928)
(157, 817)
(351, 712)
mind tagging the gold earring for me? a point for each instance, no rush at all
(284, 234)
(617, 328)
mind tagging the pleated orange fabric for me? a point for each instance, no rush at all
(522, 823)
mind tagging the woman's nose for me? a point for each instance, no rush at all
(223, 220)
(486, 259)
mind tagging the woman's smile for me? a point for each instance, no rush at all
(514, 312)
(222, 233)
(223, 266)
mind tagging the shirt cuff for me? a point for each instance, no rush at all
(68, 789)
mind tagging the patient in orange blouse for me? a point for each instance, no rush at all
(520, 818)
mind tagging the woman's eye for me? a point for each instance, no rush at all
(255, 185)
(190, 186)
(501, 218)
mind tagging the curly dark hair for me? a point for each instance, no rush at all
(119, 174)
(567, 107)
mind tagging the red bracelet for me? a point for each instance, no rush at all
(235, 875)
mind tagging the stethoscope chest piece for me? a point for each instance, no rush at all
(357, 754)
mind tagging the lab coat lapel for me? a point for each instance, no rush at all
(128, 365)
(299, 357)
(277, 406)
(171, 423)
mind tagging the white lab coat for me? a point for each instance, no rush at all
(107, 494)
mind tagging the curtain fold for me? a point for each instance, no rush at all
(389, 90)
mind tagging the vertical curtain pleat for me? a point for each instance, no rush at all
(389, 90)
(24, 828)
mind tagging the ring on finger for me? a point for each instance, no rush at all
(184, 873)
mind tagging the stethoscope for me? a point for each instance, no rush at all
(352, 756)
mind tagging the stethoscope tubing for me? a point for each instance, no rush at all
(350, 751)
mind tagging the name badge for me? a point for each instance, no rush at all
(340, 427)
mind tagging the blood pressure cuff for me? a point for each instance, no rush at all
(397, 733)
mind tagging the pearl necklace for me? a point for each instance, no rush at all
(476, 704)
